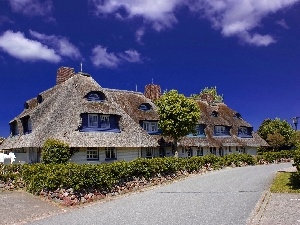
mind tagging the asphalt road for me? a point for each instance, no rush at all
(221, 197)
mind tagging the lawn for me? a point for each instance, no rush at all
(284, 182)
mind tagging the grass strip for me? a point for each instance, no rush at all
(284, 183)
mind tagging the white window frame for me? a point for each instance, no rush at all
(92, 120)
(92, 154)
(104, 121)
(150, 126)
(220, 129)
(110, 153)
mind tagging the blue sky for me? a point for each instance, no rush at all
(248, 49)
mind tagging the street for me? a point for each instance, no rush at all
(226, 196)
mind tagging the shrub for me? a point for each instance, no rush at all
(55, 151)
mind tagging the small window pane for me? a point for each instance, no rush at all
(93, 120)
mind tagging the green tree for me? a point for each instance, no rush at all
(279, 128)
(55, 151)
(209, 94)
(275, 141)
(178, 115)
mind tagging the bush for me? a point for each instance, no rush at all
(55, 151)
(10, 172)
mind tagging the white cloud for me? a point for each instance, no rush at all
(258, 40)
(232, 17)
(16, 45)
(32, 7)
(139, 35)
(158, 12)
(240, 17)
(283, 24)
(102, 58)
(60, 44)
(131, 56)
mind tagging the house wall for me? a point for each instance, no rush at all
(126, 154)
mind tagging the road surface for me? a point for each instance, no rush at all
(226, 196)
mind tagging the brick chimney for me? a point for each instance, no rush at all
(152, 91)
(63, 74)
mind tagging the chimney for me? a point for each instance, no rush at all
(63, 74)
(152, 91)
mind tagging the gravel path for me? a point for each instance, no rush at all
(17, 207)
(222, 197)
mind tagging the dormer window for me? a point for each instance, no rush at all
(94, 122)
(145, 107)
(26, 105)
(39, 99)
(221, 131)
(200, 129)
(14, 128)
(237, 116)
(150, 126)
(26, 123)
(214, 114)
(245, 132)
(96, 96)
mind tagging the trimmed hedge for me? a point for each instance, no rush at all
(104, 177)
(271, 157)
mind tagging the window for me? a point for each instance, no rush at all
(213, 150)
(95, 96)
(222, 130)
(214, 114)
(39, 99)
(104, 120)
(19, 150)
(229, 148)
(200, 129)
(26, 123)
(237, 116)
(150, 126)
(145, 107)
(200, 151)
(92, 154)
(26, 105)
(245, 132)
(110, 153)
(93, 120)
(14, 128)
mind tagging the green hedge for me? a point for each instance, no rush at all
(10, 172)
(104, 177)
(271, 157)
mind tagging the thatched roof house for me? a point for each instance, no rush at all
(104, 124)
(57, 113)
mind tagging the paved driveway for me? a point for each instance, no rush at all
(221, 197)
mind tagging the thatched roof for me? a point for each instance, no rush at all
(58, 116)
(56, 113)
(225, 117)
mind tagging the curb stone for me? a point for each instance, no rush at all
(259, 209)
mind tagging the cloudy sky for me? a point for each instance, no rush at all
(248, 49)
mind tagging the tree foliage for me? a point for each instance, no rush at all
(209, 92)
(55, 151)
(178, 115)
(277, 128)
